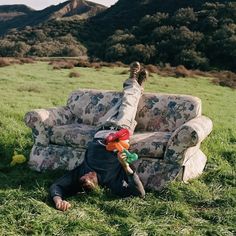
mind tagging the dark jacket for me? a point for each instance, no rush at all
(109, 171)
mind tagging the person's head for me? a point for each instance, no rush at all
(89, 181)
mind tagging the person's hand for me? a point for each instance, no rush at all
(60, 204)
(122, 159)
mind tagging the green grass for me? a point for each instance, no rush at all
(203, 207)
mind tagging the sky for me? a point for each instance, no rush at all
(41, 4)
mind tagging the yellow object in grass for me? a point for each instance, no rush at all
(18, 159)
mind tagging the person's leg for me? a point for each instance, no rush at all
(122, 115)
(132, 93)
(127, 111)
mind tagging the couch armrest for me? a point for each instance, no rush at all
(188, 135)
(40, 121)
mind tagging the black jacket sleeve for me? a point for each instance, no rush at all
(133, 187)
(67, 185)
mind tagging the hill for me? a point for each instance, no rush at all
(9, 12)
(197, 34)
(20, 16)
(126, 14)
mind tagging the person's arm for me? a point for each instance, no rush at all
(64, 186)
(135, 186)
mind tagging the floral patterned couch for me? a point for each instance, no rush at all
(167, 137)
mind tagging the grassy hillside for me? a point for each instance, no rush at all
(20, 16)
(203, 207)
(197, 34)
(8, 12)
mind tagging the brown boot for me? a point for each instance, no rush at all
(134, 70)
(142, 76)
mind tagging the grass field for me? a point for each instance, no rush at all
(206, 206)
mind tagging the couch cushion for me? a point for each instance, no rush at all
(72, 135)
(149, 144)
(166, 112)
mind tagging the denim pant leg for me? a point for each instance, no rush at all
(126, 113)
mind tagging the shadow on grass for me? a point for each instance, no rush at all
(230, 157)
(29, 182)
(36, 185)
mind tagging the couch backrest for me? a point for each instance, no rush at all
(90, 105)
(166, 112)
(156, 112)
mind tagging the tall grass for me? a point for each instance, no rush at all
(205, 206)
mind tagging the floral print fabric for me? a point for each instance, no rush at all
(168, 126)
(90, 105)
(74, 135)
(166, 112)
(55, 157)
(149, 144)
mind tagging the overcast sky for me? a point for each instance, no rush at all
(41, 4)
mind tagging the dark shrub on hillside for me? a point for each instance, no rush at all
(57, 65)
(181, 71)
(166, 70)
(83, 63)
(196, 34)
(6, 48)
(143, 52)
(20, 49)
(116, 52)
(111, 65)
(46, 49)
(202, 73)
(96, 65)
(73, 51)
(103, 63)
(151, 68)
(184, 16)
(12, 61)
(226, 78)
(120, 64)
(27, 60)
(192, 59)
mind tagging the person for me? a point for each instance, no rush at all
(101, 167)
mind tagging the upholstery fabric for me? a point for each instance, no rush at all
(166, 112)
(149, 144)
(54, 157)
(167, 137)
(72, 135)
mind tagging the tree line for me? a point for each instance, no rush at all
(203, 37)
